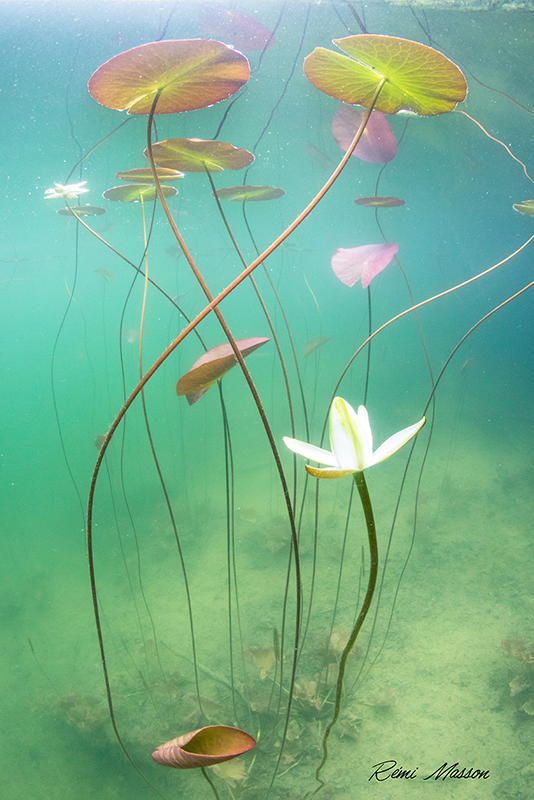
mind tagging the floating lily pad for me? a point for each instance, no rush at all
(212, 366)
(418, 78)
(188, 74)
(249, 193)
(526, 207)
(380, 202)
(144, 175)
(133, 192)
(194, 155)
(81, 211)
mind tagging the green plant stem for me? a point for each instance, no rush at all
(373, 573)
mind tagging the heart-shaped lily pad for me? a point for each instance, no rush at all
(196, 155)
(417, 78)
(187, 74)
(134, 192)
(144, 175)
(249, 193)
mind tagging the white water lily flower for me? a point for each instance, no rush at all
(71, 191)
(351, 441)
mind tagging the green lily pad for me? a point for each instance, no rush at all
(526, 207)
(144, 175)
(194, 155)
(188, 73)
(249, 193)
(418, 78)
(81, 211)
(133, 192)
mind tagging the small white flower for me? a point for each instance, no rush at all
(351, 441)
(71, 191)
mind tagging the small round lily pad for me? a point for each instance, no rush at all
(133, 192)
(249, 193)
(81, 211)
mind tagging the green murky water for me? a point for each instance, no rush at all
(428, 681)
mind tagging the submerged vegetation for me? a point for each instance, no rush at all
(242, 609)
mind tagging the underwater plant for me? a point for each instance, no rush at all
(287, 696)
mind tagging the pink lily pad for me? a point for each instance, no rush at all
(355, 263)
(235, 28)
(377, 145)
(212, 366)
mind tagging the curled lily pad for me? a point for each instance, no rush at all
(380, 202)
(212, 366)
(204, 747)
(196, 155)
(526, 207)
(187, 74)
(417, 78)
(249, 193)
(133, 192)
(144, 175)
(81, 211)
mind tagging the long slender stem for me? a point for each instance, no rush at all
(373, 573)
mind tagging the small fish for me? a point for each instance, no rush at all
(466, 366)
(131, 335)
(109, 276)
(313, 345)
(99, 441)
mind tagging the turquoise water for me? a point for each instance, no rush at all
(429, 680)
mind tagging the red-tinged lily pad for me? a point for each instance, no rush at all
(204, 747)
(526, 207)
(197, 155)
(212, 366)
(380, 202)
(249, 193)
(355, 263)
(417, 78)
(144, 175)
(377, 144)
(81, 211)
(235, 28)
(187, 73)
(134, 192)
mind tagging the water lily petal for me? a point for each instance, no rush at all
(396, 441)
(311, 451)
(329, 473)
(363, 426)
(345, 437)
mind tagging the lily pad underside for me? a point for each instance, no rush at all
(134, 192)
(144, 175)
(254, 193)
(197, 155)
(187, 73)
(212, 366)
(417, 78)
(81, 211)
